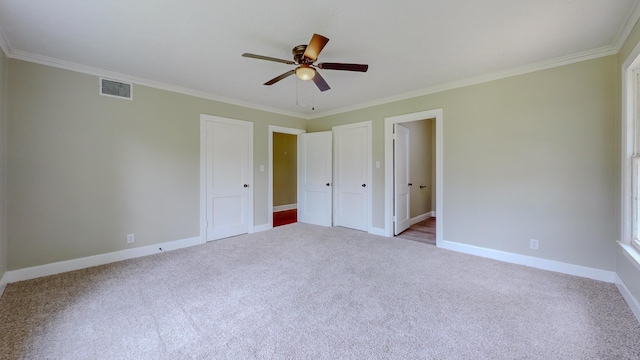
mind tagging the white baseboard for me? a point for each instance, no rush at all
(377, 231)
(285, 207)
(263, 227)
(432, 213)
(95, 260)
(631, 300)
(417, 219)
(551, 265)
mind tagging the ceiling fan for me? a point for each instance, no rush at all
(305, 56)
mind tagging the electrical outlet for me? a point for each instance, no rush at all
(533, 243)
(130, 238)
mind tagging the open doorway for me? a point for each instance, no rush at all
(394, 214)
(415, 181)
(283, 182)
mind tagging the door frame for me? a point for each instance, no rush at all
(283, 130)
(369, 180)
(204, 118)
(389, 168)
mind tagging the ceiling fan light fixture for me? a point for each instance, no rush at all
(305, 72)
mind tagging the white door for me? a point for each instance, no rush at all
(402, 180)
(315, 178)
(352, 175)
(229, 175)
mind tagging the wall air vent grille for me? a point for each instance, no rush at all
(115, 88)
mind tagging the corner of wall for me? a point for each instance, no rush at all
(3, 172)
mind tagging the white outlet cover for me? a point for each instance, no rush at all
(534, 243)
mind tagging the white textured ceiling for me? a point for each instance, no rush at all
(409, 45)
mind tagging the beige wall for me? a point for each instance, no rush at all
(3, 140)
(524, 157)
(531, 156)
(85, 170)
(285, 165)
(422, 166)
(628, 272)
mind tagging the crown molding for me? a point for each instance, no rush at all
(66, 65)
(627, 26)
(543, 65)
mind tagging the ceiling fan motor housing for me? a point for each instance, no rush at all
(298, 55)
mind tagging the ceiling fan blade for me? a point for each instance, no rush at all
(316, 45)
(320, 83)
(341, 66)
(280, 77)
(268, 58)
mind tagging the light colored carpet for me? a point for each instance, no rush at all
(307, 292)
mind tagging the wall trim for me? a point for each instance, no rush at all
(627, 26)
(67, 65)
(263, 227)
(95, 260)
(377, 231)
(543, 65)
(417, 219)
(285, 207)
(521, 70)
(631, 300)
(432, 214)
(531, 261)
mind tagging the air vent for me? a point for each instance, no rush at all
(116, 88)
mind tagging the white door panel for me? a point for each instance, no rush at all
(314, 178)
(352, 174)
(402, 179)
(229, 195)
